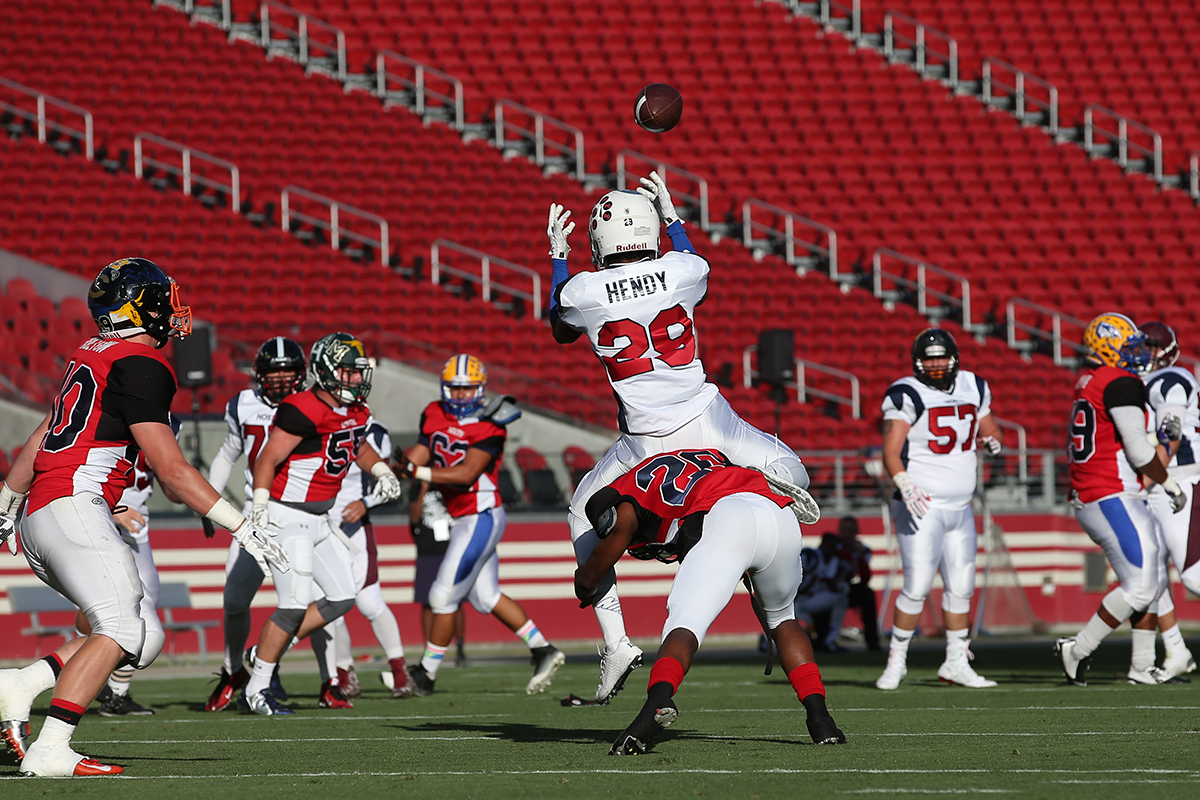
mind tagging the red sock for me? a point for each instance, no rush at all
(667, 670)
(806, 680)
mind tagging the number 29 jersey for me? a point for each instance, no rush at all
(329, 440)
(449, 438)
(940, 454)
(1099, 467)
(639, 319)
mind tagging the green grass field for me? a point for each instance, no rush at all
(740, 735)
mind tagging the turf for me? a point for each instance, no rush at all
(740, 735)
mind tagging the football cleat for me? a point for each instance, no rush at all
(120, 705)
(1152, 676)
(348, 682)
(332, 696)
(228, 684)
(546, 661)
(824, 730)
(894, 672)
(422, 683)
(959, 672)
(276, 687)
(1073, 667)
(398, 680)
(16, 700)
(651, 721)
(60, 761)
(615, 667)
(1179, 662)
(15, 736)
(263, 704)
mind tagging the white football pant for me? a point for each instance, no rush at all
(1124, 527)
(471, 568)
(1178, 531)
(316, 555)
(944, 541)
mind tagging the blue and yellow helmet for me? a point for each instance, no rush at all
(1113, 340)
(464, 370)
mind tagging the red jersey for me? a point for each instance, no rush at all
(670, 488)
(1098, 464)
(449, 438)
(109, 385)
(329, 440)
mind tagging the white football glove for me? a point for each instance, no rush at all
(1176, 495)
(262, 545)
(915, 498)
(10, 506)
(654, 189)
(259, 516)
(8, 532)
(1171, 430)
(991, 444)
(387, 485)
(558, 231)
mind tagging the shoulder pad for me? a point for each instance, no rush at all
(502, 410)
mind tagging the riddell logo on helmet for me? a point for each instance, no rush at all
(625, 248)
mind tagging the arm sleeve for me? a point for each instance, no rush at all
(679, 237)
(1130, 422)
(423, 437)
(231, 448)
(140, 389)
(558, 276)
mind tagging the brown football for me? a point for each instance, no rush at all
(658, 107)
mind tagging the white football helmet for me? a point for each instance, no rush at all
(623, 221)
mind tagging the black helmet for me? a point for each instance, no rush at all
(133, 296)
(935, 343)
(277, 355)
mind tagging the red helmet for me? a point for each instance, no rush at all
(1161, 341)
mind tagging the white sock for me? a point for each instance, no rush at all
(341, 644)
(387, 632)
(900, 641)
(38, 676)
(531, 636)
(432, 660)
(612, 622)
(1088, 639)
(1173, 639)
(55, 732)
(1143, 649)
(261, 677)
(119, 681)
(956, 644)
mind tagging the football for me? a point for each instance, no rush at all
(658, 107)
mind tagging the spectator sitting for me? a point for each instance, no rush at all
(825, 589)
(862, 597)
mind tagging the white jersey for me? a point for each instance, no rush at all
(639, 318)
(249, 419)
(358, 484)
(940, 452)
(1174, 390)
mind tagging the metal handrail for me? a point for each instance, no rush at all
(215, 12)
(921, 284)
(418, 85)
(38, 117)
(788, 234)
(538, 135)
(698, 201)
(184, 171)
(1121, 137)
(922, 53)
(800, 384)
(308, 49)
(1022, 446)
(1195, 175)
(853, 12)
(1057, 318)
(484, 278)
(1018, 90)
(336, 210)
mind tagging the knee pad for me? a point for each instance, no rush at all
(1190, 578)
(154, 640)
(954, 604)
(441, 599)
(910, 605)
(333, 609)
(777, 618)
(1117, 604)
(370, 602)
(288, 619)
(484, 605)
(1165, 603)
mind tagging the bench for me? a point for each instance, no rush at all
(34, 600)
(176, 595)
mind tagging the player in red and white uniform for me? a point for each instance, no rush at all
(933, 424)
(298, 473)
(459, 450)
(638, 311)
(114, 404)
(1172, 394)
(1109, 458)
(279, 368)
(719, 521)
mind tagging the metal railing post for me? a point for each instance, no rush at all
(333, 226)
(187, 173)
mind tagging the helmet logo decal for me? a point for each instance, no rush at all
(1107, 330)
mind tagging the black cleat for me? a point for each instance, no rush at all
(824, 730)
(120, 705)
(1074, 668)
(653, 718)
(421, 680)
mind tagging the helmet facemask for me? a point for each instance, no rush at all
(464, 372)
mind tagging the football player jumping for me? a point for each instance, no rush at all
(719, 521)
(1171, 392)
(934, 421)
(638, 311)
(1110, 458)
(279, 368)
(459, 451)
(297, 475)
(114, 402)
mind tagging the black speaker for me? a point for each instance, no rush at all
(193, 358)
(776, 357)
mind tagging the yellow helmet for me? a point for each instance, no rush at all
(464, 370)
(1113, 340)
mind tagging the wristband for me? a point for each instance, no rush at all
(10, 501)
(224, 514)
(423, 474)
(380, 468)
(261, 496)
(901, 480)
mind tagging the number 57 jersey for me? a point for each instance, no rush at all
(639, 319)
(940, 454)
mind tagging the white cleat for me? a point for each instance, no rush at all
(894, 672)
(60, 761)
(1074, 668)
(1151, 676)
(16, 700)
(546, 661)
(615, 666)
(959, 672)
(1179, 662)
